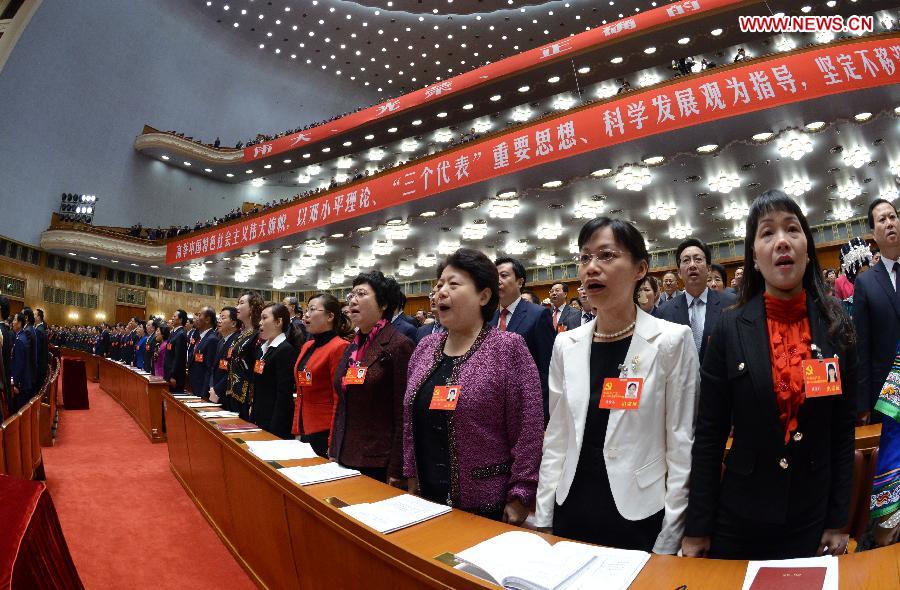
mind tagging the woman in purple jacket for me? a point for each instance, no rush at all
(473, 419)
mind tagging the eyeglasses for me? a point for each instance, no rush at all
(358, 293)
(311, 309)
(602, 257)
(698, 260)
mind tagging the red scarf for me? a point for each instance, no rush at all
(362, 341)
(789, 346)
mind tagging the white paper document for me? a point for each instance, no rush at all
(217, 414)
(829, 562)
(202, 404)
(525, 561)
(281, 450)
(317, 473)
(396, 513)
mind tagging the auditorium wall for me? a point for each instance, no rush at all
(85, 77)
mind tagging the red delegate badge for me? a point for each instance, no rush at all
(304, 378)
(259, 366)
(198, 357)
(355, 375)
(822, 377)
(445, 397)
(621, 394)
(223, 364)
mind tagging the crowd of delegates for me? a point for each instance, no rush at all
(607, 413)
(24, 342)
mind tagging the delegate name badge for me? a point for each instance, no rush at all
(621, 394)
(355, 375)
(259, 366)
(223, 364)
(822, 377)
(304, 378)
(445, 397)
(198, 357)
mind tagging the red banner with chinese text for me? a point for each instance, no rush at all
(521, 61)
(718, 94)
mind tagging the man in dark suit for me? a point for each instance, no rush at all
(174, 367)
(531, 321)
(404, 323)
(434, 327)
(738, 282)
(150, 346)
(293, 305)
(9, 338)
(562, 315)
(23, 367)
(586, 315)
(669, 288)
(202, 362)
(698, 306)
(101, 347)
(876, 308)
(192, 336)
(129, 340)
(43, 341)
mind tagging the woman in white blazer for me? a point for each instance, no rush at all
(615, 469)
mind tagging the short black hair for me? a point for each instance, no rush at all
(182, 316)
(564, 286)
(716, 267)
(211, 316)
(624, 233)
(40, 313)
(872, 206)
(531, 297)
(29, 315)
(483, 272)
(707, 253)
(293, 304)
(4, 307)
(232, 315)
(387, 291)
(518, 268)
(165, 331)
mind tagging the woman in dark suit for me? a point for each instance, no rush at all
(273, 396)
(239, 393)
(785, 491)
(367, 433)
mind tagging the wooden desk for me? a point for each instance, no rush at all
(140, 395)
(91, 362)
(287, 536)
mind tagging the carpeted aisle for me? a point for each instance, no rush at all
(127, 520)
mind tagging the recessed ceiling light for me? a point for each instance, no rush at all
(392, 130)
(287, 161)
(508, 194)
(495, 98)
(525, 88)
(116, 261)
(764, 136)
(188, 163)
(364, 228)
(466, 205)
(370, 137)
(684, 40)
(553, 79)
(326, 150)
(165, 157)
(601, 172)
(650, 50)
(133, 264)
(229, 175)
(417, 122)
(248, 171)
(286, 247)
(862, 116)
(348, 143)
(441, 115)
(306, 155)
(207, 169)
(653, 160)
(552, 184)
(153, 266)
(815, 125)
(584, 70)
(616, 60)
(468, 107)
(72, 254)
(267, 166)
(337, 235)
(715, 32)
(710, 147)
(427, 214)
(92, 257)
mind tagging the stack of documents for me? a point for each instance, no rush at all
(808, 573)
(281, 450)
(238, 427)
(395, 513)
(217, 414)
(317, 473)
(525, 561)
(202, 404)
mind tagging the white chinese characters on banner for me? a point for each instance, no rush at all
(682, 8)
(439, 89)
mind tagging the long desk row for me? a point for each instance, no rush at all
(288, 536)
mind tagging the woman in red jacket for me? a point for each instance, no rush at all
(328, 329)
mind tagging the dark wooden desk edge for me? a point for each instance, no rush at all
(159, 436)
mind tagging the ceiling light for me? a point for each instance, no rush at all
(207, 169)
(584, 70)
(857, 156)
(370, 137)
(525, 88)
(466, 205)
(229, 175)
(564, 103)
(740, 230)
(662, 211)
(447, 248)
(504, 209)
(257, 182)
(797, 186)
(705, 149)
(724, 182)
(164, 157)
(650, 50)
(824, 37)
(648, 78)
(468, 107)
(587, 210)
(544, 259)
(507, 194)
(427, 214)
(616, 60)
(842, 213)
(392, 130)
(441, 115)
(654, 160)
(397, 232)
(715, 32)
(417, 122)
(72, 254)
(248, 171)
(785, 44)
(680, 232)
(552, 184)
(406, 270)
(735, 211)
(848, 192)
(794, 145)
(601, 173)
(633, 178)
(894, 168)
(495, 98)
(474, 232)
(443, 135)
(684, 40)
(515, 248)
(862, 116)
(364, 229)
(890, 194)
(764, 136)
(521, 114)
(548, 232)
(186, 163)
(553, 79)
(815, 125)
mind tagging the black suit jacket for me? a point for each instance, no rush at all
(402, 325)
(533, 323)
(676, 310)
(427, 330)
(202, 362)
(42, 343)
(149, 348)
(127, 348)
(876, 313)
(101, 348)
(273, 396)
(175, 359)
(219, 378)
(736, 389)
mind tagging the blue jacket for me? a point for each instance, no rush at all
(876, 314)
(534, 324)
(23, 366)
(139, 353)
(202, 362)
(676, 311)
(404, 327)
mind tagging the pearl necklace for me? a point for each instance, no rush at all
(627, 329)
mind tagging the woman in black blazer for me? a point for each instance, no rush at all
(785, 491)
(273, 396)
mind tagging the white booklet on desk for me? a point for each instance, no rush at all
(202, 404)
(396, 513)
(330, 471)
(217, 414)
(281, 450)
(525, 561)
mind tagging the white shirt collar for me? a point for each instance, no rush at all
(512, 306)
(888, 263)
(275, 342)
(204, 333)
(703, 296)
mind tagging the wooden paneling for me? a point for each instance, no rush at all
(124, 313)
(140, 395)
